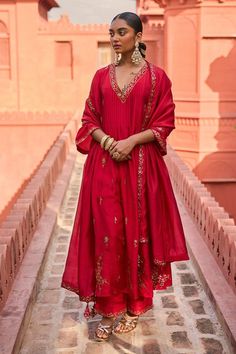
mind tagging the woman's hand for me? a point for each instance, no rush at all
(123, 148)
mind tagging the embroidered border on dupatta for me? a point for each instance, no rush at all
(159, 139)
(77, 142)
(91, 106)
(76, 291)
(157, 278)
(141, 152)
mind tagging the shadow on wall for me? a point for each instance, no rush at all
(218, 170)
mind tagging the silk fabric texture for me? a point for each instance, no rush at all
(127, 229)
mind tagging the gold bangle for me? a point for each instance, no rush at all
(104, 138)
(108, 143)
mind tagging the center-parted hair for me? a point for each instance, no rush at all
(135, 22)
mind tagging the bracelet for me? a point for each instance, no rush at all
(103, 140)
(108, 143)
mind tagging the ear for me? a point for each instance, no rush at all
(139, 36)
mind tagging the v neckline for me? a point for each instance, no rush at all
(124, 93)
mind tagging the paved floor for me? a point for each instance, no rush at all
(182, 320)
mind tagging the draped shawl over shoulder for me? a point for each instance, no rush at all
(127, 226)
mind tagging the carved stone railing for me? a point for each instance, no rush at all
(18, 228)
(216, 227)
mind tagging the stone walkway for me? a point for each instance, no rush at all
(182, 320)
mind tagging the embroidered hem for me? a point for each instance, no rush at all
(127, 309)
(82, 298)
(138, 313)
(110, 314)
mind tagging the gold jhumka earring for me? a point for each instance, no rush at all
(136, 57)
(117, 59)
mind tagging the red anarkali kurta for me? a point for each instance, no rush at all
(127, 227)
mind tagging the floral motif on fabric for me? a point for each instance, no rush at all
(160, 274)
(106, 240)
(158, 262)
(115, 220)
(143, 240)
(140, 271)
(124, 93)
(103, 161)
(160, 279)
(100, 281)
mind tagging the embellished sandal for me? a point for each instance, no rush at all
(103, 332)
(126, 324)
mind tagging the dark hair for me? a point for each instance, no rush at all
(135, 22)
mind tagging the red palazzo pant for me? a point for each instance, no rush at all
(116, 305)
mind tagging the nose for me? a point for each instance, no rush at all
(115, 38)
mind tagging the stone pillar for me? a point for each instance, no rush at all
(200, 58)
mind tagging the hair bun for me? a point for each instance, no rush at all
(142, 48)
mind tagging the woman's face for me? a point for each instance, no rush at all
(122, 36)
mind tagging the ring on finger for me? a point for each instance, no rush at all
(116, 155)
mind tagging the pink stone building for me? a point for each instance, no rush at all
(200, 58)
(45, 73)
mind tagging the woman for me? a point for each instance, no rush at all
(127, 228)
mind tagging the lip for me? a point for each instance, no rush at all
(116, 46)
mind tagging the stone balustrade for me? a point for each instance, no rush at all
(215, 225)
(17, 229)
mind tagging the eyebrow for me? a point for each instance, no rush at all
(121, 28)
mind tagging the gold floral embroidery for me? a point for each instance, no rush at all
(151, 97)
(82, 298)
(159, 139)
(159, 279)
(124, 93)
(140, 182)
(100, 281)
(158, 262)
(106, 240)
(143, 240)
(90, 104)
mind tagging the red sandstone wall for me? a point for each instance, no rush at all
(24, 141)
